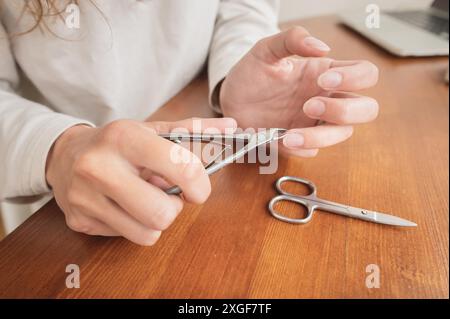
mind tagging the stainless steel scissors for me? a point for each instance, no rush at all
(312, 203)
(252, 140)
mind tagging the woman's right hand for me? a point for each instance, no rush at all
(96, 177)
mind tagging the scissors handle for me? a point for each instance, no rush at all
(311, 186)
(307, 201)
(299, 200)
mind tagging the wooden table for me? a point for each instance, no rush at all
(231, 247)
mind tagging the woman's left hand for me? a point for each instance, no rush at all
(285, 81)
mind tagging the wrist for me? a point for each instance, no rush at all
(223, 98)
(59, 148)
(216, 98)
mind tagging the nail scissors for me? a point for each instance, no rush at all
(252, 140)
(312, 203)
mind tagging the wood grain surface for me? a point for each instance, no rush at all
(230, 247)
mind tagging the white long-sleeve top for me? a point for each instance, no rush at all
(126, 59)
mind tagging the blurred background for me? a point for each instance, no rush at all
(13, 214)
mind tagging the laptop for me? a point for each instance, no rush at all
(407, 32)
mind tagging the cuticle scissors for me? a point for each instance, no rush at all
(312, 203)
(254, 140)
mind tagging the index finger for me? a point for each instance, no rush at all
(144, 148)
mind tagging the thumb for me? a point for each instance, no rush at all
(295, 41)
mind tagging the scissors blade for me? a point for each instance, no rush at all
(254, 141)
(198, 137)
(380, 218)
(393, 220)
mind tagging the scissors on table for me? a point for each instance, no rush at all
(312, 203)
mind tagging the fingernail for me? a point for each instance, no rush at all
(293, 140)
(330, 79)
(315, 44)
(230, 121)
(286, 65)
(314, 108)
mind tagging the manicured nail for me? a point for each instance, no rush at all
(330, 79)
(314, 108)
(286, 65)
(231, 122)
(293, 140)
(315, 44)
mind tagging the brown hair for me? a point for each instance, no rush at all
(40, 10)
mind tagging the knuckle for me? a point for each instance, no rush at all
(86, 164)
(295, 32)
(116, 129)
(72, 197)
(293, 37)
(78, 225)
(260, 45)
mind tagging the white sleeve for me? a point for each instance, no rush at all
(239, 25)
(27, 132)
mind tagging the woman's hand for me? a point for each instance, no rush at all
(286, 82)
(97, 177)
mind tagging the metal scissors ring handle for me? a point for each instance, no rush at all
(306, 201)
(311, 186)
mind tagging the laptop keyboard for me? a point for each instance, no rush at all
(424, 20)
